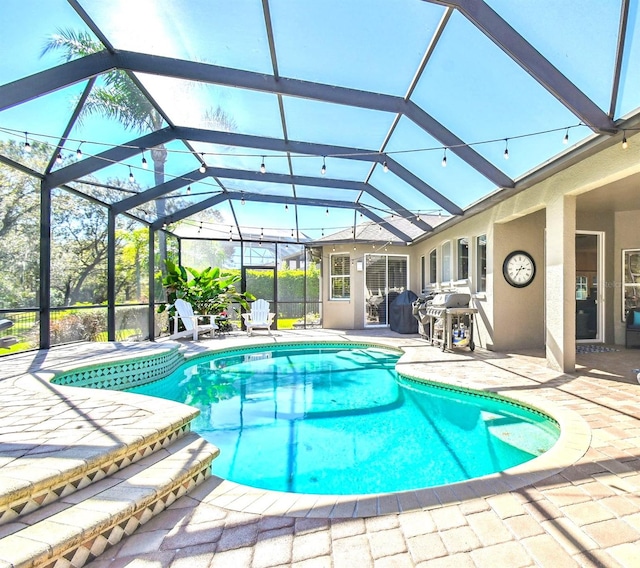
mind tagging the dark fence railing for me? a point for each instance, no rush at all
(89, 323)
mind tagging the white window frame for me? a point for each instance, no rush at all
(481, 265)
(459, 257)
(345, 277)
(446, 258)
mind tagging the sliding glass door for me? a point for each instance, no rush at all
(385, 278)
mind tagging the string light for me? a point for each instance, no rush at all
(625, 144)
(131, 178)
(242, 201)
(145, 165)
(79, 151)
(59, 158)
(565, 140)
(27, 146)
(164, 226)
(203, 167)
(323, 169)
(188, 190)
(263, 168)
(444, 159)
(327, 212)
(286, 207)
(385, 167)
(506, 149)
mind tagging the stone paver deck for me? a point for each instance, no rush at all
(575, 507)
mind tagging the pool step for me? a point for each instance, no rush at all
(33, 481)
(79, 527)
(367, 356)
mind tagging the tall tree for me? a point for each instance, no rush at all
(120, 99)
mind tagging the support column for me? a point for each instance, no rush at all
(45, 267)
(560, 277)
(111, 276)
(152, 287)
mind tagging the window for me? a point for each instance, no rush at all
(463, 259)
(630, 280)
(433, 266)
(446, 262)
(340, 277)
(481, 263)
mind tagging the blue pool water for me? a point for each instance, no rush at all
(341, 421)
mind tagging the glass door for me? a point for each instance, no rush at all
(385, 278)
(589, 296)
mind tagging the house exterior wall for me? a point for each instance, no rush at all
(510, 318)
(350, 314)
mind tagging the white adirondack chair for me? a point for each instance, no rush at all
(259, 317)
(184, 312)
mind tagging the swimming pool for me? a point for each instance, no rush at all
(337, 419)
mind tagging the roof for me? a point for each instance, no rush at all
(264, 115)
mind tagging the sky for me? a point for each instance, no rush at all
(469, 85)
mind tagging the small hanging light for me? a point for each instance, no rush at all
(59, 158)
(263, 168)
(286, 207)
(625, 144)
(506, 149)
(291, 233)
(327, 212)
(323, 169)
(323, 232)
(164, 226)
(188, 190)
(444, 158)
(79, 151)
(145, 165)
(385, 167)
(242, 202)
(131, 178)
(27, 146)
(565, 140)
(203, 167)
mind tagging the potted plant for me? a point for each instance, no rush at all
(209, 291)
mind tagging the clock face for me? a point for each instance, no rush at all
(519, 269)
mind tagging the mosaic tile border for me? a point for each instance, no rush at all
(123, 373)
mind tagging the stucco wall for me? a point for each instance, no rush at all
(350, 314)
(518, 313)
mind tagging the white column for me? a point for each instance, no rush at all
(560, 277)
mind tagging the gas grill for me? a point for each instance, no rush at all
(446, 320)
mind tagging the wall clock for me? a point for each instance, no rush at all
(519, 269)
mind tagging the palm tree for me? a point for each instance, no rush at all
(121, 100)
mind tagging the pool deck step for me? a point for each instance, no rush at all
(78, 527)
